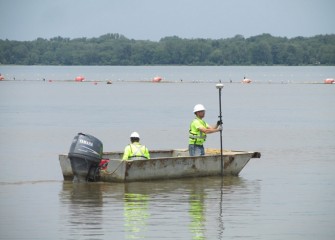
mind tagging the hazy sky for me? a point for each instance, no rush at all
(155, 19)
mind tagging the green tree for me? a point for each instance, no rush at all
(116, 49)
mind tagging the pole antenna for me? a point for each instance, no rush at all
(220, 86)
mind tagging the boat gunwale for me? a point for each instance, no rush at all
(225, 153)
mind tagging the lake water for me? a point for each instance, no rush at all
(289, 193)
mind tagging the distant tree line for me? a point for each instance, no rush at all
(116, 49)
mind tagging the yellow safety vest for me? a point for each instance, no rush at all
(135, 151)
(196, 136)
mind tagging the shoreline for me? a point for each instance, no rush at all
(110, 82)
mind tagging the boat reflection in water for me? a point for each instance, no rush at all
(196, 208)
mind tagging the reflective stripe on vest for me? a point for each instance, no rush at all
(138, 153)
(197, 137)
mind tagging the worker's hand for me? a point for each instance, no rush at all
(219, 128)
(219, 123)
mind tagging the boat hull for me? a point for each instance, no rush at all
(167, 164)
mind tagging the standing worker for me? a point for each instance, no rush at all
(135, 151)
(199, 130)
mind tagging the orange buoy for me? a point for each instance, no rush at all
(329, 81)
(246, 80)
(2, 77)
(157, 79)
(79, 79)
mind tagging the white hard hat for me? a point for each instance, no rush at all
(134, 135)
(198, 107)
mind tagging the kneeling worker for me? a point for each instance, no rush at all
(199, 130)
(135, 151)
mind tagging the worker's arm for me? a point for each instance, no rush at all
(126, 153)
(210, 129)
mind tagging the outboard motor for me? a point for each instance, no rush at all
(85, 155)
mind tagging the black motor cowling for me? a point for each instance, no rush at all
(85, 155)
